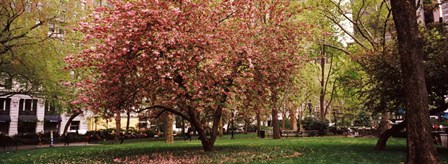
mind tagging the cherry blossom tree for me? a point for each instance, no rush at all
(184, 57)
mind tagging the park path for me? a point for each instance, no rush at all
(26, 147)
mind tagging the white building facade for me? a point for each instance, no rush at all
(24, 114)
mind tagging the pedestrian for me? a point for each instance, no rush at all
(121, 137)
(189, 133)
(66, 140)
(3, 141)
(39, 139)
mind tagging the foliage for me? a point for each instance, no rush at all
(184, 57)
(386, 91)
(30, 54)
(362, 119)
(313, 123)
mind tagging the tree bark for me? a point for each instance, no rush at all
(207, 142)
(258, 117)
(117, 124)
(246, 124)
(410, 47)
(275, 125)
(183, 127)
(169, 128)
(384, 124)
(384, 136)
(128, 120)
(69, 121)
(220, 131)
(283, 120)
(293, 119)
(322, 85)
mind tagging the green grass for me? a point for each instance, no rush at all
(244, 149)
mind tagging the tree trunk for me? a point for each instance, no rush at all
(293, 119)
(220, 131)
(298, 124)
(283, 120)
(69, 121)
(169, 128)
(207, 143)
(384, 136)
(384, 124)
(128, 119)
(246, 124)
(322, 85)
(183, 127)
(410, 47)
(117, 124)
(275, 125)
(258, 123)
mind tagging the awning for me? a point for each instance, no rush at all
(5, 118)
(28, 118)
(52, 118)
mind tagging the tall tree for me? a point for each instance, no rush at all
(410, 47)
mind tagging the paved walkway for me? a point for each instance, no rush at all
(25, 147)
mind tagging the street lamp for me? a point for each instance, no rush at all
(336, 115)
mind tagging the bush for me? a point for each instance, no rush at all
(362, 119)
(312, 123)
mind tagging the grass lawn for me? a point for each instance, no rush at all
(244, 149)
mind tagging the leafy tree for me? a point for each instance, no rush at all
(186, 58)
(30, 53)
(362, 119)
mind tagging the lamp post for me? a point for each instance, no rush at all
(232, 128)
(335, 119)
(336, 115)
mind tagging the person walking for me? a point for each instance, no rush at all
(3, 141)
(39, 139)
(66, 140)
(189, 133)
(121, 137)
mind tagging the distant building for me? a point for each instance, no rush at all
(24, 114)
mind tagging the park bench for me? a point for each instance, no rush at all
(287, 133)
(268, 132)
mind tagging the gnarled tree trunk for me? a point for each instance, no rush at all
(69, 121)
(384, 136)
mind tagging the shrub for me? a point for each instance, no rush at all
(313, 123)
(362, 119)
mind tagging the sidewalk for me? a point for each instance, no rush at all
(25, 147)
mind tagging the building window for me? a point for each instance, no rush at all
(51, 126)
(50, 108)
(29, 104)
(74, 125)
(5, 104)
(26, 127)
(4, 127)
